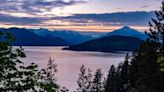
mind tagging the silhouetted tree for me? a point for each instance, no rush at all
(118, 79)
(125, 74)
(98, 82)
(85, 80)
(158, 27)
(145, 74)
(111, 80)
(47, 77)
(14, 76)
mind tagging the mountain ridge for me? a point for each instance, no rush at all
(27, 38)
(126, 31)
(108, 44)
(67, 35)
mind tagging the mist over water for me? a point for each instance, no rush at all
(69, 62)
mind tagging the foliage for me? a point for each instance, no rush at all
(47, 77)
(161, 62)
(111, 81)
(143, 70)
(118, 79)
(146, 62)
(15, 76)
(85, 80)
(97, 83)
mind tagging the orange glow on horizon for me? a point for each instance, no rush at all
(77, 28)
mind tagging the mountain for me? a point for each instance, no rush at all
(126, 31)
(108, 44)
(73, 37)
(25, 37)
(94, 34)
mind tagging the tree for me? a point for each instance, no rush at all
(125, 74)
(118, 79)
(158, 27)
(161, 62)
(14, 76)
(28, 78)
(145, 74)
(111, 81)
(47, 77)
(97, 84)
(85, 80)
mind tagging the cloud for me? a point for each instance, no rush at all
(119, 8)
(35, 6)
(119, 18)
(106, 19)
(7, 19)
(155, 0)
(145, 6)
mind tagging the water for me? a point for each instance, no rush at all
(69, 62)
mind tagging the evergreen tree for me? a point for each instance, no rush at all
(158, 27)
(111, 80)
(145, 68)
(14, 76)
(47, 77)
(145, 74)
(85, 80)
(125, 74)
(97, 84)
(161, 62)
(29, 78)
(118, 79)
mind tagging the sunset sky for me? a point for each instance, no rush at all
(80, 15)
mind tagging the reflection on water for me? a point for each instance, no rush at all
(69, 62)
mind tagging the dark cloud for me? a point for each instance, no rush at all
(119, 8)
(19, 20)
(145, 6)
(34, 6)
(120, 18)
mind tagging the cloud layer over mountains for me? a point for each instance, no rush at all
(107, 19)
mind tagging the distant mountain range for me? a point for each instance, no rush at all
(25, 37)
(108, 44)
(72, 37)
(78, 40)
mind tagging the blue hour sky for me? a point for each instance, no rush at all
(82, 15)
(107, 6)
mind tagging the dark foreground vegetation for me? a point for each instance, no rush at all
(16, 77)
(143, 71)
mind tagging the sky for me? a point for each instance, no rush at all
(80, 15)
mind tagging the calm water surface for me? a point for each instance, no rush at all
(69, 62)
